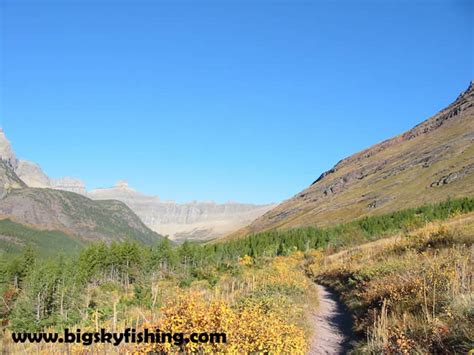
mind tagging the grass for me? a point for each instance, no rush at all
(412, 293)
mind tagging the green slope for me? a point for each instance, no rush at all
(15, 237)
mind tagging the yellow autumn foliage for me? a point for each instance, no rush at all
(246, 260)
(249, 329)
(260, 311)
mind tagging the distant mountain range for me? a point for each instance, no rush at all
(197, 220)
(428, 163)
(53, 220)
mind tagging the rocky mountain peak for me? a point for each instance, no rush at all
(122, 184)
(468, 92)
(6, 151)
(32, 174)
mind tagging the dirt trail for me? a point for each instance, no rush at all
(332, 325)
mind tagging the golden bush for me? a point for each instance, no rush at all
(249, 329)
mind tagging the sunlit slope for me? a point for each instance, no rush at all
(428, 163)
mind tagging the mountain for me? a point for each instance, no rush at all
(6, 151)
(194, 220)
(429, 163)
(32, 174)
(8, 179)
(73, 216)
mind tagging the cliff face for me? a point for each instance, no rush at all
(68, 184)
(32, 174)
(8, 179)
(194, 220)
(6, 151)
(429, 163)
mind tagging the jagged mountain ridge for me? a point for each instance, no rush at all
(428, 163)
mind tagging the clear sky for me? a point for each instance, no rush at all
(222, 100)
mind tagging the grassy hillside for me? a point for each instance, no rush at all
(428, 163)
(412, 293)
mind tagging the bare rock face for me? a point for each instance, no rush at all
(455, 175)
(188, 221)
(8, 179)
(6, 151)
(32, 174)
(68, 184)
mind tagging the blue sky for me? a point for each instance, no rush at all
(222, 100)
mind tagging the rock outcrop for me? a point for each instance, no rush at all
(8, 179)
(32, 174)
(68, 184)
(6, 151)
